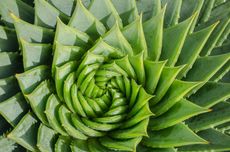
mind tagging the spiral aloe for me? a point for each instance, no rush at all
(114, 75)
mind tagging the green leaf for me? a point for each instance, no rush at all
(63, 144)
(177, 135)
(46, 14)
(38, 99)
(7, 38)
(216, 34)
(192, 47)
(75, 37)
(30, 79)
(218, 115)
(127, 10)
(51, 112)
(66, 6)
(181, 111)
(14, 108)
(95, 146)
(61, 74)
(65, 53)
(137, 62)
(25, 133)
(221, 72)
(35, 54)
(116, 39)
(153, 31)
(188, 8)
(104, 49)
(46, 139)
(8, 87)
(205, 67)
(123, 145)
(176, 35)
(125, 64)
(206, 10)
(167, 77)
(142, 148)
(176, 92)
(172, 13)
(86, 22)
(32, 33)
(10, 64)
(79, 124)
(65, 117)
(19, 8)
(79, 146)
(217, 142)
(7, 145)
(134, 34)
(211, 93)
(138, 130)
(107, 13)
(150, 68)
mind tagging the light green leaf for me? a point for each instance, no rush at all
(123, 145)
(30, 79)
(32, 33)
(177, 135)
(14, 108)
(217, 142)
(46, 139)
(219, 114)
(46, 14)
(19, 8)
(153, 31)
(86, 22)
(192, 47)
(35, 54)
(38, 99)
(104, 11)
(211, 93)
(7, 38)
(134, 34)
(173, 40)
(25, 133)
(181, 111)
(176, 92)
(127, 10)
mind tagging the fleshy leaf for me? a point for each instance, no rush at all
(46, 139)
(176, 92)
(25, 133)
(30, 79)
(104, 11)
(217, 142)
(177, 135)
(134, 34)
(181, 111)
(17, 7)
(173, 40)
(38, 99)
(46, 14)
(218, 115)
(86, 22)
(192, 47)
(211, 93)
(14, 108)
(35, 54)
(153, 31)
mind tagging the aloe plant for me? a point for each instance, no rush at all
(114, 75)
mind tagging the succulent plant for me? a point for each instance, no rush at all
(114, 75)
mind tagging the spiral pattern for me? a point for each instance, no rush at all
(114, 75)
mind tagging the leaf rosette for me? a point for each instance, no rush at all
(114, 75)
